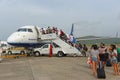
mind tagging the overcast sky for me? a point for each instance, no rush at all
(90, 17)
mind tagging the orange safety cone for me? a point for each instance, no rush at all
(50, 51)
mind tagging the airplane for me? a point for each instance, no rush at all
(32, 37)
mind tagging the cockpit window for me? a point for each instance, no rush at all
(24, 30)
(30, 30)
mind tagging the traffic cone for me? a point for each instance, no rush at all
(50, 51)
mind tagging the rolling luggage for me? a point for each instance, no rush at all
(101, 72)
(108, 63)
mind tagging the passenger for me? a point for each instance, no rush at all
(77, 46)
(80, 45)
(118, 56)
(56, 30)
(49, 30)
(71, 43)
(113, 55)
(85, 49)
(89, 58)
(43, 31)
(94, 54)
(102, 51)
(62, 35)
(53, 30)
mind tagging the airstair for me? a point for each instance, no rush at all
(66, 47)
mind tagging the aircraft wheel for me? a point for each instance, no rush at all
(10, 52)
(22, 52)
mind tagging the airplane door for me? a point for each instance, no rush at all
(45, 49)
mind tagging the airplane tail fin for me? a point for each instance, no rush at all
(72, 29)
(71, 37)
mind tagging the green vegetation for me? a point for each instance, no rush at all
(97, 40)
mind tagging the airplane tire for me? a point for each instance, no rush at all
(9, 52)
(60, 54)
(37, 54)
(22, 52)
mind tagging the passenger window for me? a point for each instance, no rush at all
(30, 30)
(45, 46)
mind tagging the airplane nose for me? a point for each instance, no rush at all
(11, 39)
(14, 38)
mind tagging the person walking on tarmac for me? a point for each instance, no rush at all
(113, 55)
(94, 54)
(118, 56)
(85, 49)
(102, 51)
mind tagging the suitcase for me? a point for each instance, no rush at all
(101, 72)
(108, 63)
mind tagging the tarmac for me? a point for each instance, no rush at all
(50, 68)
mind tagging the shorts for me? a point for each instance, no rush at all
(94, 59)
(114, 61)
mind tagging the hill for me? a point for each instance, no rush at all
(98, 40)
(87, 37)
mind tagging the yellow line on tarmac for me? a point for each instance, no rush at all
(13, 56)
